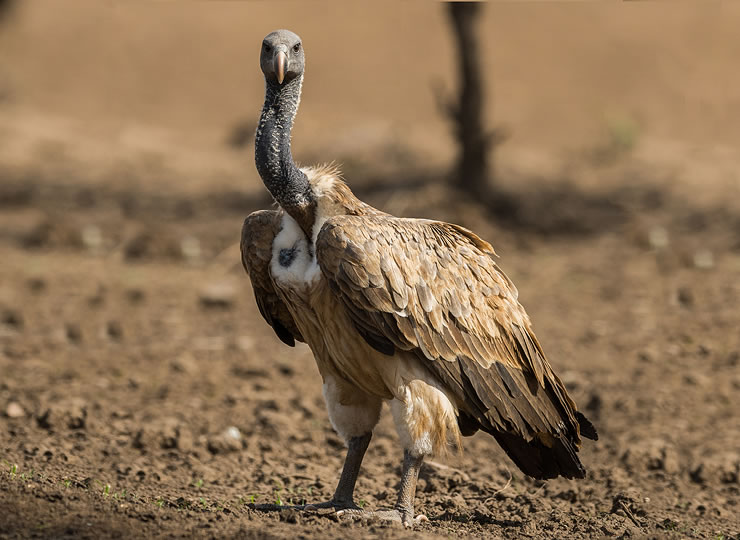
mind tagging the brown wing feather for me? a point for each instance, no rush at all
(258, 232)
(435, 289)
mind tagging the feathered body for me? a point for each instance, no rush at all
(417, 312)
(412, 311)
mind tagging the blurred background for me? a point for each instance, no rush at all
(131, 350)
(117, 84)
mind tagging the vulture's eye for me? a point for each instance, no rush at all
(267, 47)
(296, 47)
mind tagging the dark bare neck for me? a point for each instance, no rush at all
(287, 184)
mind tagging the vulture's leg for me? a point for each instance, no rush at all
(353, 414)
(344, 494)
(356, 447)
(403, 511)
(417, 444)
(407, 491)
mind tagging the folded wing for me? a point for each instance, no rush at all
(434, 289)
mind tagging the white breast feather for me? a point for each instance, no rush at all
(303, 270)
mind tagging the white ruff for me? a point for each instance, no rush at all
(303, 270)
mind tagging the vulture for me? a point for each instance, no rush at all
(414, 312)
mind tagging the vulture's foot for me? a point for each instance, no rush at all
(399, 516)
(338, 505)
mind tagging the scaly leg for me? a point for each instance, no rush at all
(407, 491)
(403, 511)
(343, 495)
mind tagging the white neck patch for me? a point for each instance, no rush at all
(300, 268)
(296, 266)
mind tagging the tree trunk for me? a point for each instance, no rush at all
(467, 114)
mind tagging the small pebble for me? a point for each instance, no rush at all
(218, 295)
(658, 238)
(704, 260)
(190, 248)
(14, 410)
(92, 237)
(233, 432)
(229, 440)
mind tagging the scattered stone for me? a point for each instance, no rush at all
(190, 248)
(229, 440)
(14, 410)
(658, 238)
(703, 259)
(219, 295)
(92, 238)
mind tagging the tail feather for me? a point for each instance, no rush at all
(539, 461)
(586, 427)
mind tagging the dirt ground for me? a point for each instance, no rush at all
(142, 395)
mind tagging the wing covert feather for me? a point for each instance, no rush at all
(434, 288)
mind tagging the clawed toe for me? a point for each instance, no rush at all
(350, 509)
(335, 505)
(407, 519)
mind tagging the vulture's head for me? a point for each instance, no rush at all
(282, 57)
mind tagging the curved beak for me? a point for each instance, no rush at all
(281, 60)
